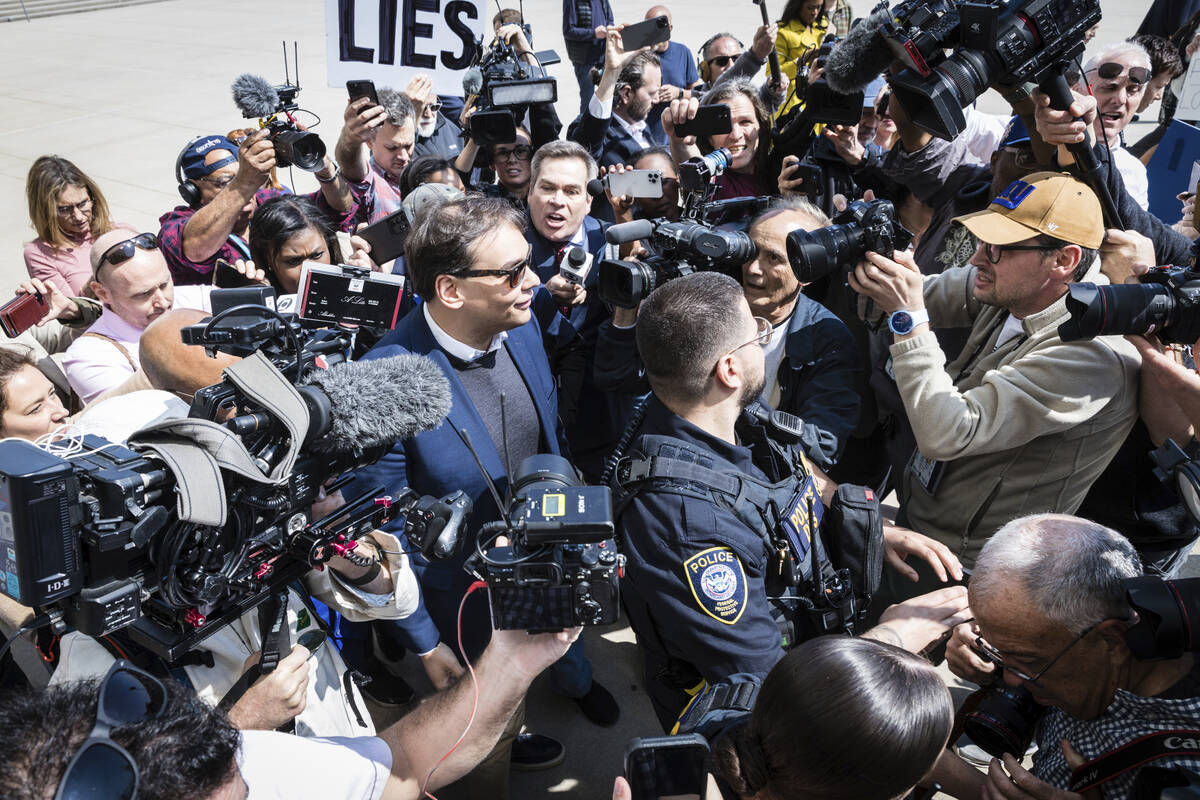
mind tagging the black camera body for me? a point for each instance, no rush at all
(993, 42)
(822, 105)
(864, 227)
(506, 86)
(561, 568)
(1165, 302)
(304, 149)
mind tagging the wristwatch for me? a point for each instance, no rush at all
(902, 322)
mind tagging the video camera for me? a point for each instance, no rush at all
(823, 105)
(679, 248)
(991, 42)
(1165, 302)
(275, 107)
(170, 544)
(561, 566)
(864, 227)
(506, 86)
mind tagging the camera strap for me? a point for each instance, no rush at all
(1133, 754)
(272, 619)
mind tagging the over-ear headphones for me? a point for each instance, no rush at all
(705, 69)
(189, 191)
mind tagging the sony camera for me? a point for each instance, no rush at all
(561, 566)
(1165, 302)
(953, 51)
(864, 227)
(679, 248)
(506, 86)
(108, 537)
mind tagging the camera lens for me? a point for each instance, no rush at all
(1116, 310)
(935, 104)
(1005, 721)
(815, 254)
(544, 468)
(625, 283)
(302, 148)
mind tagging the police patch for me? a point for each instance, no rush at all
(718, 583)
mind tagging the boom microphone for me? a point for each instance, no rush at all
(629, 231)
(254, 97)
(860, 56)
(377, 402)
(472, 82)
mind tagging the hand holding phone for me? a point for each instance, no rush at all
(634, 183)
(711, 120)
(357, 89)
(22, 313)
(646, 33)
(667, 766)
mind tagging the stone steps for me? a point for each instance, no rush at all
(12, 10)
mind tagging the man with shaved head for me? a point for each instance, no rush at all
(131, 280)
(678, 74)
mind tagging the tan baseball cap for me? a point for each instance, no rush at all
(1050, 203)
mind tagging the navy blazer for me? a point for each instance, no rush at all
(610, 144)
(586, 317)
(437, 462)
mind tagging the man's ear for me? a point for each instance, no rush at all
(446, 289)
(1067, 260)
(729, 372)
(1112, 632)
(101, 292)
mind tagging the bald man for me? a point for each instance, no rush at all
(131, 280)
(678, 74)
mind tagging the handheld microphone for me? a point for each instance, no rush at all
(861, 56)
(629, 231)
(595, 187)
(375, 402)
(254, 97)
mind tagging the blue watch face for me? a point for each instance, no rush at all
(901, 322)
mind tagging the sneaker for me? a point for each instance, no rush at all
(533, 751)
(599, 706)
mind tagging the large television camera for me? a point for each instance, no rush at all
(679, 248)
(561, 566)
(953, 51)
(1165, 302)
(506, 85)
(198, 520)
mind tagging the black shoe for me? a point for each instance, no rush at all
(533, 751)
(385, 689)
(599, 706)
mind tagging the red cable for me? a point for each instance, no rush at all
(474, 682)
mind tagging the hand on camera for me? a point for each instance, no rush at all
(1123, 252)
(788, 186)
(441, 666)
(529, 654)
(1162, 370)
(565, 292)
(964, 660)
(256, 159)
(679, 112)
(845, 141)
(60, 306)
(900, 543)
(277, 697)
(513, 35)
(1062, 127)
(361, 119)
(893, 283)
(921, 621)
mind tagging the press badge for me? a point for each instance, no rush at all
(927, 473)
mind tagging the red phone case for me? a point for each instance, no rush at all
(22, 313)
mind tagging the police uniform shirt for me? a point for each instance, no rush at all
(694, 581)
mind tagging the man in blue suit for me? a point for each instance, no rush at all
(469, 261)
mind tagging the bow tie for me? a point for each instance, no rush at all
(486, 361)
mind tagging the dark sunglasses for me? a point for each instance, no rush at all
(514, 275)
(123, 251)
(1111, 70)
(724, 61)
(101, 768)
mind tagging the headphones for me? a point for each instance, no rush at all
(189, 191)
(705, 69)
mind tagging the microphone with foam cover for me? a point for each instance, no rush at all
(861, 56)
(254, 96)
(376, 402)
(472, 82)
(595, 187)
(629, 231)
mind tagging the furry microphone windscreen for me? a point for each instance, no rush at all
(859, 58)
(381, 401)
(254, 96)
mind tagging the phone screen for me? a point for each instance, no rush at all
(666, 772)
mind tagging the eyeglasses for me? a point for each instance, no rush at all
(123, 251)
(994, 252)
(762, 338)
(993, 655)
(521, 152)
(514, 275)
(218, 183)
(101, 767)
(723, 61)
(83, 207)
(1110, 70)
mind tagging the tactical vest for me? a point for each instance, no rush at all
(788, 516)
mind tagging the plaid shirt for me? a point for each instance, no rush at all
(1127, 717)
(184, 271)
(841, 17)
(377, 196)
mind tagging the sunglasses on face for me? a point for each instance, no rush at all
(435, 106)
(723, 61)
(514, 274)
(123, 251)
(101, 768)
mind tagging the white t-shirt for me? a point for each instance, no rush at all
(345, 768)
(1133, 172)
(773, 353)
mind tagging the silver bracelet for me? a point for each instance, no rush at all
(337, 170)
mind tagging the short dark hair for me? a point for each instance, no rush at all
(1087, 256)
(443, 241)
(839, 718)
(278, 220)
(682, 329)
(186, 753)
(656, 150)
(419, 170)
(633, 74)
(1164, 56)
(13, 359)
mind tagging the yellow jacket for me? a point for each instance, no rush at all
(793, 41)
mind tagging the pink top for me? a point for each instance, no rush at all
(69, 270)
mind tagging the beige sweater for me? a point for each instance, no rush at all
(1024, 429)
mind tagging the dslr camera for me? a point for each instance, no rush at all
(990, 42)
(561, 566)
(864, 227)
(1165, 302)
(679, 248)
(275, 108)
(506, 85)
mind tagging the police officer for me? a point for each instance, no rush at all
(717, 518)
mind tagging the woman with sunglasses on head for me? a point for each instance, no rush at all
(68, 211)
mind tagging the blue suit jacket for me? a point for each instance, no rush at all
(437, 462)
